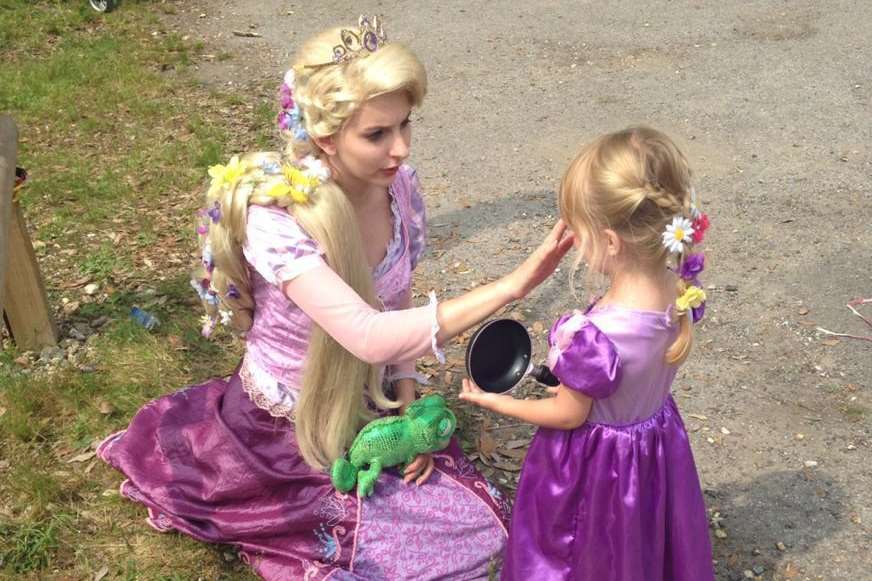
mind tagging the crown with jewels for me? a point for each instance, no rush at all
(369, 37)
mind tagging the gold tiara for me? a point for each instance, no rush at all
(369, 37)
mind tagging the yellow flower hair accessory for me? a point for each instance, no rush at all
(226, 175)
(691, 298)
(302, 178)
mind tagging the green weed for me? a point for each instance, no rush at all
(30, 547)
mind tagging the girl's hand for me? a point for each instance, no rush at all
(423, 464)
(475, 395)
(542, 262)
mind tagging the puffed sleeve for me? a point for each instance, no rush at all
(417, 225)
(276, 247)
(582, 357)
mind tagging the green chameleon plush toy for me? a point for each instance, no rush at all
(426, 426)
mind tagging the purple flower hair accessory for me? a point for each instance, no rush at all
(698, 312)
(233, 292)
(215, 213)
(692, 266)
(290, 118)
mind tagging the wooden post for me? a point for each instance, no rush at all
(8, 144)
(24, 302)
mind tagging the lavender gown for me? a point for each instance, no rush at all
(617, 498)
(219, 461)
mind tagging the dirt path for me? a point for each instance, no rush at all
(771, 100)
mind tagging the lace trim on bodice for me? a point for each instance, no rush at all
(266, 393)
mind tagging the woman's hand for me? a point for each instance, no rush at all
(421, 467)
(542, 262)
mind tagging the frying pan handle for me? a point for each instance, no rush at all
(543, 375)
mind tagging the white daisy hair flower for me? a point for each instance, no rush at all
(678, 234)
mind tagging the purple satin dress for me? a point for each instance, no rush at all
(219, 461)
(619, 497)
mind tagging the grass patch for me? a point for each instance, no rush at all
(31, 546)
(117, 158)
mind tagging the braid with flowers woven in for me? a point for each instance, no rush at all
(262, 179)
(680, 238)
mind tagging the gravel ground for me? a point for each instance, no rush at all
(771, 101)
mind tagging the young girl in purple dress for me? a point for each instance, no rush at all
(310, 254)
(609, 490)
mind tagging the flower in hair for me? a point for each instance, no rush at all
(692, 266)
(698, 312)
(215, 212)
(208, 322)
(700, 225)
(227, 175)
(208, 261)
(290, 118)
(226, 316)
(678, 234)
(302, 178)
(692, 298)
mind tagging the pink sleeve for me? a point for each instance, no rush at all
(370, 335)
(406, 369)
(276, 247)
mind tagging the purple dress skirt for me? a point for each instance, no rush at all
(617, 499)
(207, 462)
(219, 461)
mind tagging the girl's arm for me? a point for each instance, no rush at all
(566, 411)
(381, 337)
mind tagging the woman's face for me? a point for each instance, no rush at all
(372, 144)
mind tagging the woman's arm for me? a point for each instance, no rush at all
(566, 411)
(460, 313)
(381, 337)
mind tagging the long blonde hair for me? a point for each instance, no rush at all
(633, 182)
(332, 406)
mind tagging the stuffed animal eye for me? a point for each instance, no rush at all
(445, 428)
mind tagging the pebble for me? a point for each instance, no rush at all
(76, 334)
(51, 354)
(99, 321)
(780, 546)
(91, 289)
(810, 464)
(721, 533)
(731, 288)
(725, 431)
(758, 570)
(748, 574)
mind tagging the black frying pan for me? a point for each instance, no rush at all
(498, 357)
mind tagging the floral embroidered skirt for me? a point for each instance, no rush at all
(207, 462)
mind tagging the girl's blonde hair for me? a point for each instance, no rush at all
(634, 182)
(332, 406)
